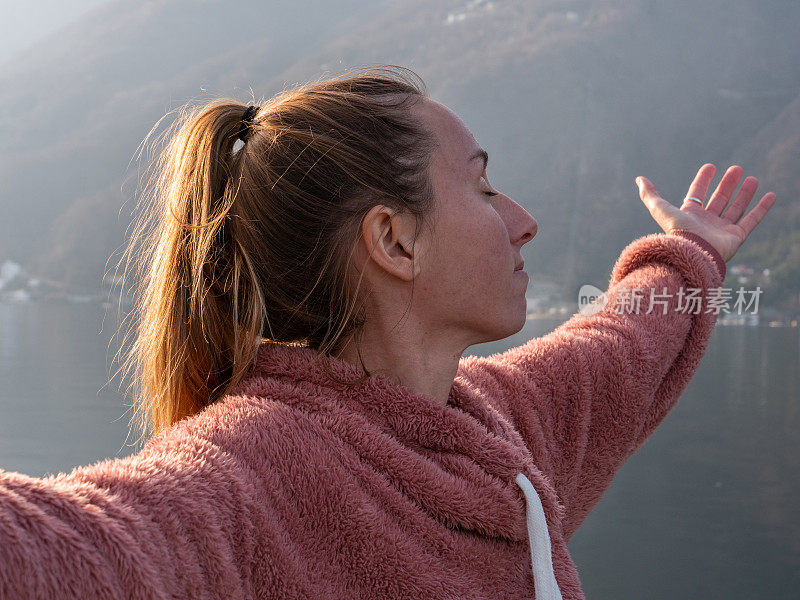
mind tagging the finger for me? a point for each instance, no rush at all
(700, 184)
(753, 218)
(737, 207)
(653, 200)
(721, 196)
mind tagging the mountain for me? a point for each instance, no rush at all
(572, 99)
(74, 108)
(775, 151)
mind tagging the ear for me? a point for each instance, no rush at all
(389, 241)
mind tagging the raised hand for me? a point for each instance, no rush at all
(727, 230)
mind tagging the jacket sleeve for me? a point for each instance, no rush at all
(159, 524)
(586, 396)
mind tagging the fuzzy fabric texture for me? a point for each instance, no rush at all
(296, 487)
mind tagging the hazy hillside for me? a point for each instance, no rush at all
(775, 152)
(74, 109)
(572, 100)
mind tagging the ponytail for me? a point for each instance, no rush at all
(200, 313)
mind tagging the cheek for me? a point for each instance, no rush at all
(479, 237)
(489, 236)
(472, 249)
(472, 271)
(484, 250)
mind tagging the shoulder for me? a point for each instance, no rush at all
(529, 370)
(261, 432)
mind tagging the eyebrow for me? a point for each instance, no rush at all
(481, 153)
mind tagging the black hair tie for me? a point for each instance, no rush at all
(246, 127)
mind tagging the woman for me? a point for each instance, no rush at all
(317, 267)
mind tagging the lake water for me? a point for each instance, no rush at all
(709, 507)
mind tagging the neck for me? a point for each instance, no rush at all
(420, 361)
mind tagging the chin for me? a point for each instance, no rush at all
(502, 325)
(521, 323)
(508, 329)
(521, 315)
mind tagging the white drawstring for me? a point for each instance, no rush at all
(544, 579)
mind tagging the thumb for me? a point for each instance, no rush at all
(657, 206)
(645, 187)
(647, 192)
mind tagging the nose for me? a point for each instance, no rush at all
(522, 227)
(531, 231)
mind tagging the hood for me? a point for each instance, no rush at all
(459, 462)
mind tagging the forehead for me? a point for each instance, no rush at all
(456, 142)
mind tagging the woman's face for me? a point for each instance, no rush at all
(467, 278)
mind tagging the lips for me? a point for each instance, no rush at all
(520, 266)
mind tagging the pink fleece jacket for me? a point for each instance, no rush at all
(295, 487)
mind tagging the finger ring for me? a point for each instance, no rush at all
(695, 199)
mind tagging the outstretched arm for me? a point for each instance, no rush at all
(154, 525)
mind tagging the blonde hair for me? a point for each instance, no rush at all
(235, 247)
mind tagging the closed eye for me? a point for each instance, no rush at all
(488, 193)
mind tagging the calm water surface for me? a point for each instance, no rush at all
(709, 507)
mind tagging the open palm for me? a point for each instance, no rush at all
(727, 230)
